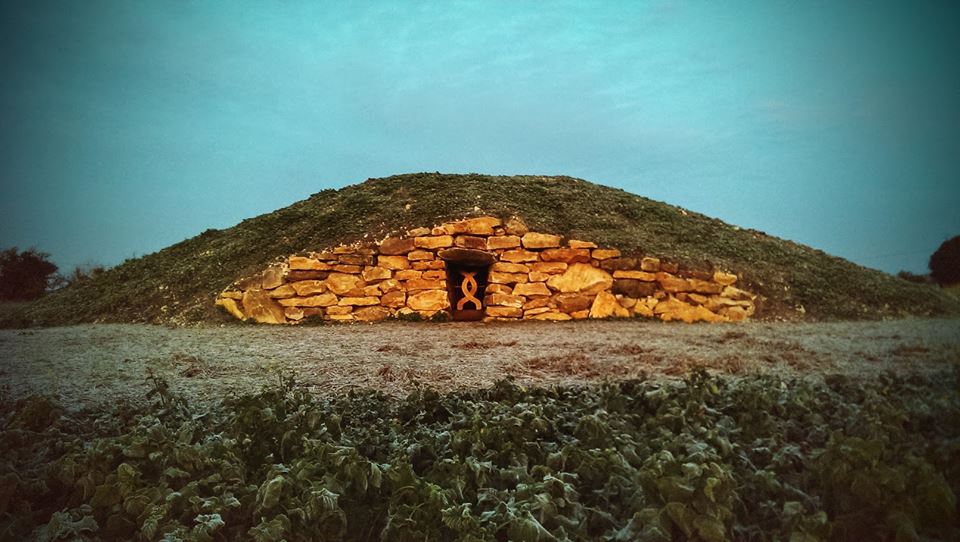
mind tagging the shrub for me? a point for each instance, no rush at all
(24, 275)
(945, 262)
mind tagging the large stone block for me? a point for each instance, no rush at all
(504, 300)
(519, 255)
(649, 264)
(273, 277)
(434, 241)
(504, 242)
(551, 315)
(260, 307)
(470, 241)
(551, 268)
(605, 253)
(581, 277)
(393, 246)
(230, 305)
(303, 263)
(293, 276)
(605, 305)
(341, 283)
(428, 300)
(322, 300)
(371, 314)
(408, 274)
(634, 288)
(568, 255)
(393, 262)
(573, 243)
(309, 287)
(704, 286)
(515, 226)
(282, 292)
(420, 256)
(508, 267)
(540, 240)
(573, 302)
(473, 226)
(506, 278)
(504, 312)
(348, 268)
(532, 289)
(636, 275)
(614, 264)
(394, 300)
(372, 273)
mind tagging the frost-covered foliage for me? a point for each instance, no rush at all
(711, 458)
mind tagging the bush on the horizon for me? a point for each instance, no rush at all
(24, 276)
(945, 262)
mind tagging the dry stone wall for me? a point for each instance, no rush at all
(531, 276)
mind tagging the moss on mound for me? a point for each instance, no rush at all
(178, 284)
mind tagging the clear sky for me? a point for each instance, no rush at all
(128, 126)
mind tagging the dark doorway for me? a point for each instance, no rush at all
(466, 284)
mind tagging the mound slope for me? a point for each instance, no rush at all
(178, 284)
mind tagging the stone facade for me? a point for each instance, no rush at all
(527, 275)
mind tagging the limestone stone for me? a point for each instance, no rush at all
(471, 241)
(736, 294)
(539, 302)
(408, 274)
(569, 255)
(614, 264)
(627, 302)
(428, 300)
(696, 274)
(260, 307)
(420, 255)
(697, 299)
(303, 263)
(580, 244)
(326, 256)
(341, 283)
(372, 290)
(605, 305)
(734, 314)
(473, 226)
(273, 277)
(345, 249)
(339, 317)
(704, 286)
(232, 294)
(230, 305)
(393, 262)
(716, 303)
(348, 268)
(581, 277)
(651, 265)
(519, 255)
(390, 285)
(355, 259)
(395, 299)
(528, 313)
(375, 272)
(429, 265)
(673, 309)
(434, 241)
(515, 226)
(672, 284)
(418, 232)
(532, 289)
(293, 313)
(504, 312)
(393, 246)
(437, 230)
(537, 276)
(283, 292)
(507, 241)
(507, 267)
(633, 287)
(322, 300)
(724, 279)
(305, 288)
(254, 282)
(551, 268)
(540, 240)
(573, 302)
(371, 314)
(498, 289)
(552, 315)
(605, 253)
(293, 276)
(435, 274)
(580, 315)
(339, 309)
(504, 300)
(426, 284)
(703, 314)
(506, 278)
(637, 275)
(358, 301)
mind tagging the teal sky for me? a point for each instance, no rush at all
(129, 126)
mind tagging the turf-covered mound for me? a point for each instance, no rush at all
(708, 459)
(178, 284)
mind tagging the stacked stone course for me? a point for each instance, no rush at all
(535, 276)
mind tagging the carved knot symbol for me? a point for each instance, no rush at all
(469, 288)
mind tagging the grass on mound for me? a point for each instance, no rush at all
(178, 284)
(710, 459)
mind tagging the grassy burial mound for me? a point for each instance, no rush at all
(178, 284)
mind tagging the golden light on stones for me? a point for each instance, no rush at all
(483, 268)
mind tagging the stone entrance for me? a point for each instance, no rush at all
(467, 271)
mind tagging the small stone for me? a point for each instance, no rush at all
(605, 253)
(669, 267)
(737, 294)
(506, 278)
(507, 241)
(232, 294)
(393, 246)
(637, 275)
(649, 264)
(540, 240)
(553, 315)
(568, 255)
(581, 277)
(358, 301)
(434, 242)
(373, 273)
(393, 262)
(408, 274)
(724, 279)
(515, 226)
(345, 249)
(471, 241)
(394, 299)
(519, 255)
(644, 308)
(371, 314)
(428, 300)
(341, 283)
(307, 264)
(573, 302)
(339, 317)
(507, 267)
(704, 286)
(293, 276)
(605, 305)
(528, 313)
(614, 264)
(537, 276)
(627, 302)
(293, 313)
(322, 300)
(354, 259)
(373, 290)
(504, 312)
(672, 284)
(580, 244)
(498, 289)
(345, 268)
(339, 310)
(735, 314)
(389, 285)
(428, 266)
(504, 300)
(580, 315)
(425, 284)
(417, 232)
(538, 302)
(420, 255)
(435, 274)
(230, 305)
(473, 226)
(634, 288)
(259, 306)
(551, 268)
(283, 292)
(532, 289)
(273, 277)
(309, 287)
(673, 309)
